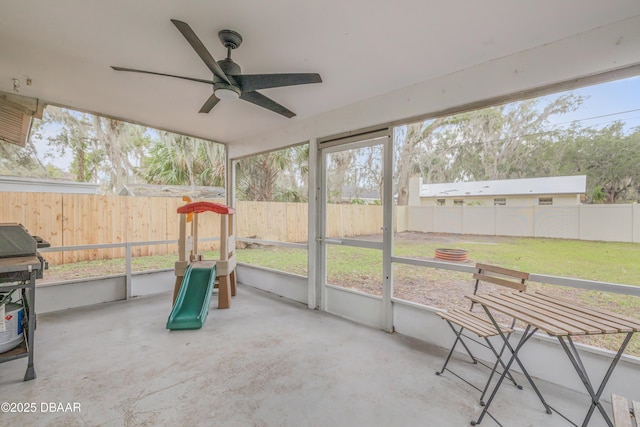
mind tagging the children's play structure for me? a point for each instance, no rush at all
(195, 277)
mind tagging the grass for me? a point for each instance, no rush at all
(361, 269)
(602, 261)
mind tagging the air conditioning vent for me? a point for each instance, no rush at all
(16, 113)
(14, 125)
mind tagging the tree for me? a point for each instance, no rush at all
(257, 175)
(275, 176)
(102, 149)
(181, 160)
(123, 146)
(492, 143)
(408, 155)
(608, 157)
(498, 142)
(355, 171)
(20, 161)
(292, 182)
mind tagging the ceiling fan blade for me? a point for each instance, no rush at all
(162, 74)
(250, 82)
(264, 102)
(200, 49)
(209, 104)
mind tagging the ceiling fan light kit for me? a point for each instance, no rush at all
(230, 93)
(228, 82)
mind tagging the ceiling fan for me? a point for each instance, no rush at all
(228, 82)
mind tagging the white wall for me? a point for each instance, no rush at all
(513, 201)
(288, 285)
(606, 48)
(36, 185)
(83, 292)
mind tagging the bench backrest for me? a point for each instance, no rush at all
(500, 276)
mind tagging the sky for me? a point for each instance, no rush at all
(606, 103)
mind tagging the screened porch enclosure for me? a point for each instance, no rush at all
(335, 319)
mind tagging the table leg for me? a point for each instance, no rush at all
(517, 359)
(528, 333)
(499, 361)
(576, 361)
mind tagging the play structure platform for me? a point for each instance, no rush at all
(195, 277)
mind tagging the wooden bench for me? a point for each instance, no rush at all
(622, 415)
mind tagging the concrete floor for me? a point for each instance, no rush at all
(264, 362)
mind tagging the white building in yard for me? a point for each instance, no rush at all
(549, 191)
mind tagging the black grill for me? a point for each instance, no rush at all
(17, 248)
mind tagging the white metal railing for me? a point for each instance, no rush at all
(443, 265)
(592, 285)
(128, 256)
(540, 278)
(273, 243)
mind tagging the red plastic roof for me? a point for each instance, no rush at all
(199, 207)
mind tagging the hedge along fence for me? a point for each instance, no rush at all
(82, 219)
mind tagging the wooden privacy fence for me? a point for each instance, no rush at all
(287, 222)
(82, 219)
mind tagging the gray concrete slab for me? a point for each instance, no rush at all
(266, 361)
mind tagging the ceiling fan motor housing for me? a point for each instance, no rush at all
(229, 67)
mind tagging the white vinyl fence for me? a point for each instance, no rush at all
(613, 223)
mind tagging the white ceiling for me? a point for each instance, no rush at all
(361, 48)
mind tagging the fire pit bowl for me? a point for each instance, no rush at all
(452, 255)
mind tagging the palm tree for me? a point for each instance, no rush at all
(257, 175)
(182, 160)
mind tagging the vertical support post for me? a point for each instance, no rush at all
(231, 249)
(224, 280)
(194, 235)
(182, 257)
(387, 233)
(230, 178)
(182, 240)
(321, 224)
(128, 269)
(224, 235)
(313, 282)
(232, 231)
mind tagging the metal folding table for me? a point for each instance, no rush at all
(562, 319)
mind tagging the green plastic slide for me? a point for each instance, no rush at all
(192, 304)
